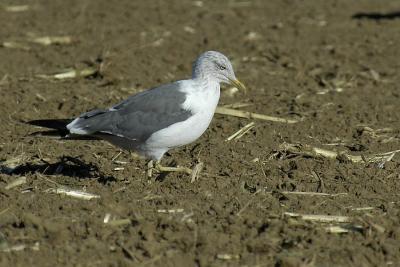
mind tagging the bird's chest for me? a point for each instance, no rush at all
(202, 107)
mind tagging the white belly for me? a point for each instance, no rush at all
(181, 133)
(202, 105)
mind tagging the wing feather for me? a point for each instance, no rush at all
(137, 117)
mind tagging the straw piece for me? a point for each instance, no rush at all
(250, 115)
(319, 218)
(228, 256)
(340, 229)
(69, 74)
(51, 40)
(363, 208)
(311, 193)
(238, 105)
(72, 193)
(107, 218)
(15, 45)
(241, 132)
(16, 8)
(20, 247)
(311, 151)
(170, 211)
(120, 162)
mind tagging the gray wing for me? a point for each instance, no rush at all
(139, 116)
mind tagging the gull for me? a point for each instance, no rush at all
(154, 121)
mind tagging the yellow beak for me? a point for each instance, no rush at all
(238, 85)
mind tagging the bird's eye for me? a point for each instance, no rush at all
(222, 67)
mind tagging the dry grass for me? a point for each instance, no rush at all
(315, 152)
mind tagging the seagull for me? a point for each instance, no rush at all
(154, 121)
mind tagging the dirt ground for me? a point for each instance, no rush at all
(331, 65)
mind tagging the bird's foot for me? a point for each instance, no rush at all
(157, 167)
(161, 168)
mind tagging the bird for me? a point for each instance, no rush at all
(156, 120)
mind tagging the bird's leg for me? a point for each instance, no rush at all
(150, 168)
(161, 168)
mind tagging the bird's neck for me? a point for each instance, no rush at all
(205, 82)
(202, 97)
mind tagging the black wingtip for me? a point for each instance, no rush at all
(62, 135)
(56, 134)
(57, 124)
(58, 130)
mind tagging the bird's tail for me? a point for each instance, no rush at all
(58, 130)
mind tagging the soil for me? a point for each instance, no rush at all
(332, 65)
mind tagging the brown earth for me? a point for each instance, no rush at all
(334, 65)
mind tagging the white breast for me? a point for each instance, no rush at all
(202, 104)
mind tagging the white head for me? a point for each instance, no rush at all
(215, 66)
